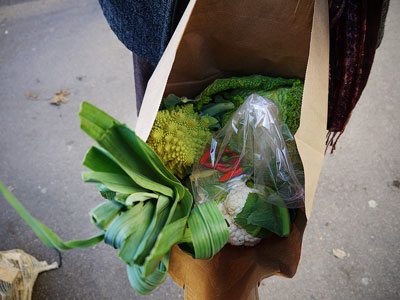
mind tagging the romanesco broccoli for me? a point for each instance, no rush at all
(179, 136)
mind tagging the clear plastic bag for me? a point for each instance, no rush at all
(252, 148)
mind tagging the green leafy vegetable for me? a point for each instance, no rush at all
(45, 234)
(259, 217)
(217, 109)
(172, 100)
(208, 228)
(286, 93)
(146, 210)
(146, 284)
(103, 214)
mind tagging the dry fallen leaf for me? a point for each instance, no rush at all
(31, 95)
(60, 97)
(339, 253)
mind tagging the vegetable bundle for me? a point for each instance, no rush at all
(146, 210)
(248, 171)
(148, 187)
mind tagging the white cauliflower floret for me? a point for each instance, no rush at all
(230, 208)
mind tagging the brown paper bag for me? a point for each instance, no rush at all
(225, 38)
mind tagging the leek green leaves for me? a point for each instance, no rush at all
(146, 210)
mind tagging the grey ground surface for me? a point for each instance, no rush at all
(50, 45)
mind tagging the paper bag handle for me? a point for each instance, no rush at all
(158, 81)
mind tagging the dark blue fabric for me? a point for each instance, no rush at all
(143, 71)
(143, 26)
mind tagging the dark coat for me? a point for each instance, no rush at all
(144, 26)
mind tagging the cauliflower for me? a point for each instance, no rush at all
(230, 208)
(179, 136)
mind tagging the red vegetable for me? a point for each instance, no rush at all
(206, 156)
(231, 161)
(231, 174)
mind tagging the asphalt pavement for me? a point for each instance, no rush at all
(51, 46)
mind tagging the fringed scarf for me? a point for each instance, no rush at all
(355, 32)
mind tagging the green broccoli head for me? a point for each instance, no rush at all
(179, 136)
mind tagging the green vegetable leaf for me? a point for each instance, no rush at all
(242, 218)
(217, 109)
(253, 82)
(129, 248)
(114, 182)
(258, 217)
(132, 163)
(103, 214)
(117, 140)
(285, 93)
(169, 236)
(121, 228)
(94, 121)
(151, 160)
(45, 234)
(139, 197)
(172, 100)
(105, 192)
(99, 160)
(146, 284)
(208, 229)
(159, 219)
